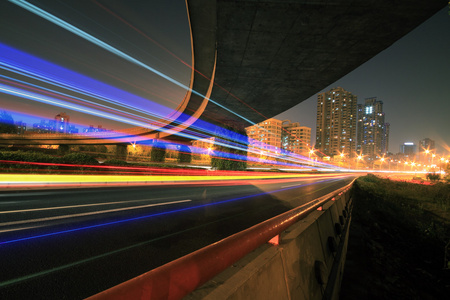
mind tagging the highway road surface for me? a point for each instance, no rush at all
(73, 243)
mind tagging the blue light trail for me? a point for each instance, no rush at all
(52, 101)
(37, 66)
(160, 213)
(42, 13)
(19, 62)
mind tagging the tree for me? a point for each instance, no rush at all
(6, 123)
(230, 153)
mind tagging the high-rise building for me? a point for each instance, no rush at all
(44, 127)
(295, 138)
(277, 136)
(93, 129)
(373, 132)
(426, 149)
(408, 149)
(62, 122)
(265, 136)
(359, 130)
(21, 127)
(385, 140)
(427, 144)
(336, 122)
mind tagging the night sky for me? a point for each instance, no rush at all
(412, 77)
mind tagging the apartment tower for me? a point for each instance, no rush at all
(373, 132)
(336, 122)
(295, 138)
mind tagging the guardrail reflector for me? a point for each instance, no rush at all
(275, 240)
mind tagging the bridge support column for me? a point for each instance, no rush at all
(63, 149)
(121, 151)
(184, 154)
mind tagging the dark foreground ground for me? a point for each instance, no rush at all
(397, 241)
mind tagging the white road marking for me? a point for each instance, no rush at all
(74, 206)
(89, 213)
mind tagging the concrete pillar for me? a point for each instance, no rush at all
(121, 151)
(63, 149)
(184, 154)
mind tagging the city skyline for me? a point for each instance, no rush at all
(411, 78)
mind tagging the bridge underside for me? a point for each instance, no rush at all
(272, 55)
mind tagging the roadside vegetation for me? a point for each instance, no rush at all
(399, 239)
(74, 162)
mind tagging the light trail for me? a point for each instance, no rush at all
(21, 63)
(52, 101)
(13, 60)
(33, 64)
(183, 62)
(160, 213)
(42, 13)
(77, 99)
(120, 250)
(98, 42)
(43, 178)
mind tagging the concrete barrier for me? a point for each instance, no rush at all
(308, 262)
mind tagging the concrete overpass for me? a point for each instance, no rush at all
(272, 55)
(260, 58)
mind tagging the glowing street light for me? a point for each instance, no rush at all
(311, 152)
(440, 165)
(358, 158)
(427, 151)
(382, 161)
(342, 158)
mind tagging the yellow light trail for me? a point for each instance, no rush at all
(6, 179)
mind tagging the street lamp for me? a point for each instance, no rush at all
(342, 158)
(440, 165)
(358, 158)
(311, 152)
(427, 151)
(382, 160)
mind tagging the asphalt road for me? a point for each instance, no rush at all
(73, 243)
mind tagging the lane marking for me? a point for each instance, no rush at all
(300, 183)
(90, 213)
(74, 206)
